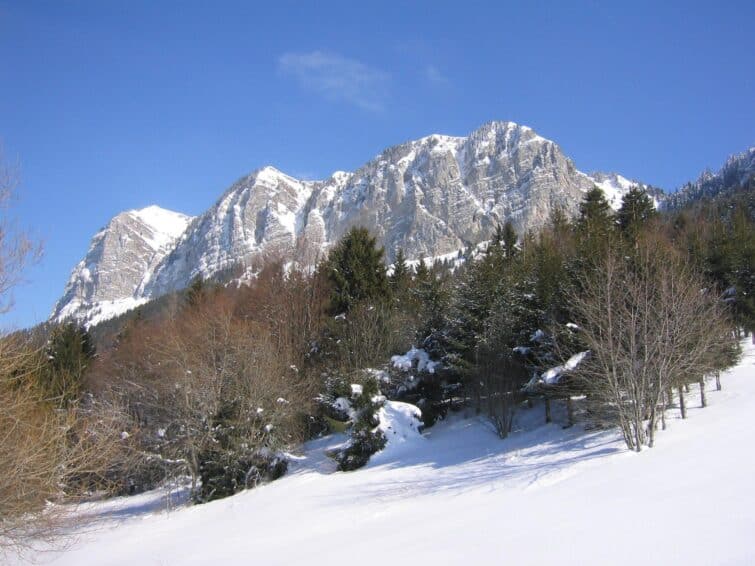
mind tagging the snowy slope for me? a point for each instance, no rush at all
(459, 495)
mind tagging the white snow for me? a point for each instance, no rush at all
(613, 185)
(400, 423)
(459, 495)
(166, 225)
(406, 361)
(101, 311)
(553, 375)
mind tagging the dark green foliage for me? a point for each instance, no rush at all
(431, 292)
(594, 226)
(401, 277)
(595, 215)
(225, 473)
(363, 444)
(508, 240)
(366, 438)
(637, 209)
(196, 291)
(742, 268)
(356, 270)
(422, 270)
(69, 353)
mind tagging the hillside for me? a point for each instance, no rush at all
(458, 494)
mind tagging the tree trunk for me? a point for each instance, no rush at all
(530, 404)
(651, 427)
(570, 411)
(718, 381)
(547, 410)
(703, 400)
(686, 387)
(682, 406)
(663, 416)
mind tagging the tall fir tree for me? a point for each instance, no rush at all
(595, 215)
(509, 240)
(637, 209)
(69, 352)
(356, 270)
(401, 276)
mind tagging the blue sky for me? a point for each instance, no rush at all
(112, 105)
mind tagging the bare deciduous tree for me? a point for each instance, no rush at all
(651, 326)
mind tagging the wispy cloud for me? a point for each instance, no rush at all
(338, 78)
(432, 74)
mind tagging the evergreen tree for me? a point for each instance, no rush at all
(196, 292)
(595, 216)
(69, 353)
(422, 271)
(508, 240)
(401, 276)
(356, 270)
(637, 208)
(432, 296)
(742, 265)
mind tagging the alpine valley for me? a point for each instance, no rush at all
(430, 197)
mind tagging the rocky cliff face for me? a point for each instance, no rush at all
(121, 258)
(430, 197)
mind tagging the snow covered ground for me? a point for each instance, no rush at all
(459, 494)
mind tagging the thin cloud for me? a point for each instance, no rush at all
(433, 75)
(337, 78)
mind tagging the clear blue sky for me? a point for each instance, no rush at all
(110, 105)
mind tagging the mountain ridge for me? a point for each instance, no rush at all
(430, 196)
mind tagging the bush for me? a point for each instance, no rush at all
(366, 437)
(224, 473)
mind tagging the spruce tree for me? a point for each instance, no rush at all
(356, 270)
(595, 216)
(637, 208)
(422, 271)
(401, 276)
(69, 353)
(508, 240)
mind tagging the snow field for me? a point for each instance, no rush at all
(458, 494)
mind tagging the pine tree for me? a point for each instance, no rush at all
(356, 270)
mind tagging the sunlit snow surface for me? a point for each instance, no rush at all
(460, 495)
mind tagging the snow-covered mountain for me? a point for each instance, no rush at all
(431, 196)
(120, 260)
(738, 170)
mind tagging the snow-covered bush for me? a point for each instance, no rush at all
(417, 379)
(366, 436)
